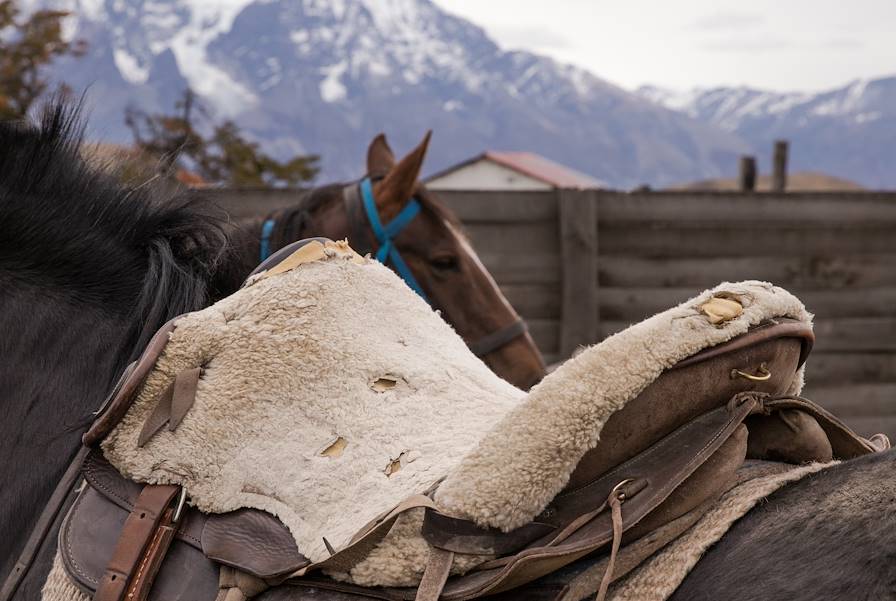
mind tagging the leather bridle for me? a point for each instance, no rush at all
(360, 206)
(363, 217)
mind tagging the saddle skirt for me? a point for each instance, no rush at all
(328, 394)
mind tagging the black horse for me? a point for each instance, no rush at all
(90, 268)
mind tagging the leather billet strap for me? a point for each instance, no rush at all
(142, 545)
(499, 338)
(173, 404)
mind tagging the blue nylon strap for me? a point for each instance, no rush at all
(266, 230)
(387, 251)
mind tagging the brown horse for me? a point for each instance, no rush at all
(442, 263)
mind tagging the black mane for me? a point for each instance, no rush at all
(90, 268)
(68, 225)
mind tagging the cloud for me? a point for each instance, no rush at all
(727, 21)
(751, 44)
(531, 37)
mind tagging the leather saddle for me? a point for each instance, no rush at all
(630, 438)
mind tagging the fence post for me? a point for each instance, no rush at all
(779, 177)
(580, 313)
(747, 175)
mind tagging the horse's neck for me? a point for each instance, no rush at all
(58, 359)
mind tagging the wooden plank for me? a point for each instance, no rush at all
(578, 241)
(497, 206)
(856, 399)
(806, 273)
(839, 368)
(546, 334)
(533, 301)
(740, 241)
(857, 335)
(869, 426)
(469, 206)
(796, 210)
(638, 303)
(521, 238)
(508, 269)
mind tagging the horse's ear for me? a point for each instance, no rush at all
(380, 158)
(397, 187)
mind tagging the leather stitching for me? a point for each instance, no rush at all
(97, 482)
(150, 550)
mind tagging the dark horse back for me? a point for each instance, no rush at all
(845, 514)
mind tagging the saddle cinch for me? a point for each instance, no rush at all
(323, 434)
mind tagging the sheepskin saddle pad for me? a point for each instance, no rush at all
(323, 431)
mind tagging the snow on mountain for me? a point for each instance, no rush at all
(849, 131)
(325, 76)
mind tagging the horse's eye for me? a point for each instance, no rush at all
(445, 263)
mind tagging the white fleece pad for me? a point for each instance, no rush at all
(331, 392)
(330, 351)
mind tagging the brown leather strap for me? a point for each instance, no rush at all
(435, 575)
(113, 411)
(144, 540)
(173, 405)
(492, 342)
(359, 232)
(616, 500)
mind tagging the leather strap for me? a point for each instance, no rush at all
(43, 526)
(173, 405)
(357, 223)
(492, 342)
(438, 568)
(145, 538)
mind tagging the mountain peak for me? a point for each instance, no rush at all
(324, 76)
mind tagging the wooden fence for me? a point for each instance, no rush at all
(581, 264)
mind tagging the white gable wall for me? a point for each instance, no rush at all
(486, 175)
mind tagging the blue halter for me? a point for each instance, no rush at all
(385, 234)
(266, 230)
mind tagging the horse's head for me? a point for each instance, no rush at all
(445, 266)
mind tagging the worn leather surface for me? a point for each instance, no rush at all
(144, 539)
(790, 435)
(696, 386)
(250, 540)
(253, 541)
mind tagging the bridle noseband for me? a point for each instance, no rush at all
(360, 205)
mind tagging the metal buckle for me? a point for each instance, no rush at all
(181, 501)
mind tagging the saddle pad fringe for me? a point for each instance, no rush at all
(59, 587)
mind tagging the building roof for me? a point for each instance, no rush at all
(532, 165)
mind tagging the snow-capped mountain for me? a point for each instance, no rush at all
(849, 132)
(325, 76)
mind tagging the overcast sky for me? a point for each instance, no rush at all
(803, 45)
